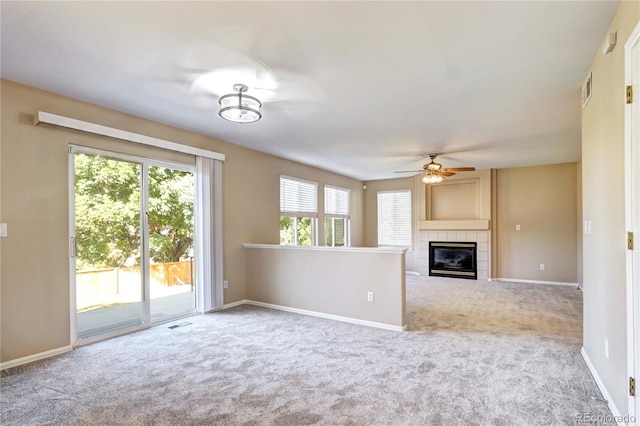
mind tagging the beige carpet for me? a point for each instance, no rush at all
(476, 353)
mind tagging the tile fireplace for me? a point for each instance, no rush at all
(483, 249)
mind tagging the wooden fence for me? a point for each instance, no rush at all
(122, 285)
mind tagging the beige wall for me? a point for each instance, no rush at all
(542, 200)
(35, 277)
(603, 204)
(330, 281)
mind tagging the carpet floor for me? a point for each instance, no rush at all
(476, 353)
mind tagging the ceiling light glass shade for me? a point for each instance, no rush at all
(432, 178)
(240, 108)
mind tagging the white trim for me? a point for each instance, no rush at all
(514, 280)
(233, 304)
(35, 357)
(454, 225)
(632, 217)
(601, 386)
(417, 274)
(97, 129)
(73, 323)
(328, 316)
(327, 248)
(111, 334)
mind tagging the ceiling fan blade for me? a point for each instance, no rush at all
(461, 169)
(446, 173)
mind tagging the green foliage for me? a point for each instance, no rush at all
(287, 233)
(288, 228)
(304, 231)
(171, 196)
(108, 205)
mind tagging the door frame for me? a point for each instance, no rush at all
(145, 162)
(632, 215)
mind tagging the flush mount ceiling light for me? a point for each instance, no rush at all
(238, 107)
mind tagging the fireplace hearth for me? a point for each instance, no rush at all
(453, 259)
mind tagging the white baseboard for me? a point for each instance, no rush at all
(233, 304)
(35, 357)
(601, 386)
(329, 316)
(514, 280)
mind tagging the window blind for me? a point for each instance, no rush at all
(336, 202)
(298, 198)
(394, 218)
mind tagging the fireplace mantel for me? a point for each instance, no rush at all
(454, 225)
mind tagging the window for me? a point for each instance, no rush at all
(298, 211)
(336, 216)
(394, 218)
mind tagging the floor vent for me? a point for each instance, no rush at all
(182, 324)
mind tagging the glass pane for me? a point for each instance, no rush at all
(109, 290)
(328, 231)
(171, 239)
(287, 232)
(305, 231)
(339, 227)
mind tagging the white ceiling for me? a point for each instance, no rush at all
(363, 88)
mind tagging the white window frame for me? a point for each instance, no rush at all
(338, 212)
(302, 210)
(391, 239)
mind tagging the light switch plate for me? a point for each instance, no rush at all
(3, 230)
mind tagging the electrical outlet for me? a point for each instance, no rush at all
(542, 266)
(517, 227)
(606, 348)
(225, 284)
(3, 230)
(370, 296)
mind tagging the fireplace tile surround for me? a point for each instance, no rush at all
(481, 237)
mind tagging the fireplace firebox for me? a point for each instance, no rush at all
(453, 259)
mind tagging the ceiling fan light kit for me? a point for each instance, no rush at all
(238, 107)
(434, 173)
(431, 178)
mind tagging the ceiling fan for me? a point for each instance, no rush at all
(434, 173)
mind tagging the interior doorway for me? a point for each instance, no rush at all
(132, 237)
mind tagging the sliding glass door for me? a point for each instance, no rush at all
(132, 241)
(108, 244)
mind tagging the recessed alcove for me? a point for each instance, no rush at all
(453, 200)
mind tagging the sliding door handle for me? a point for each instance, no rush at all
(73, 246)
